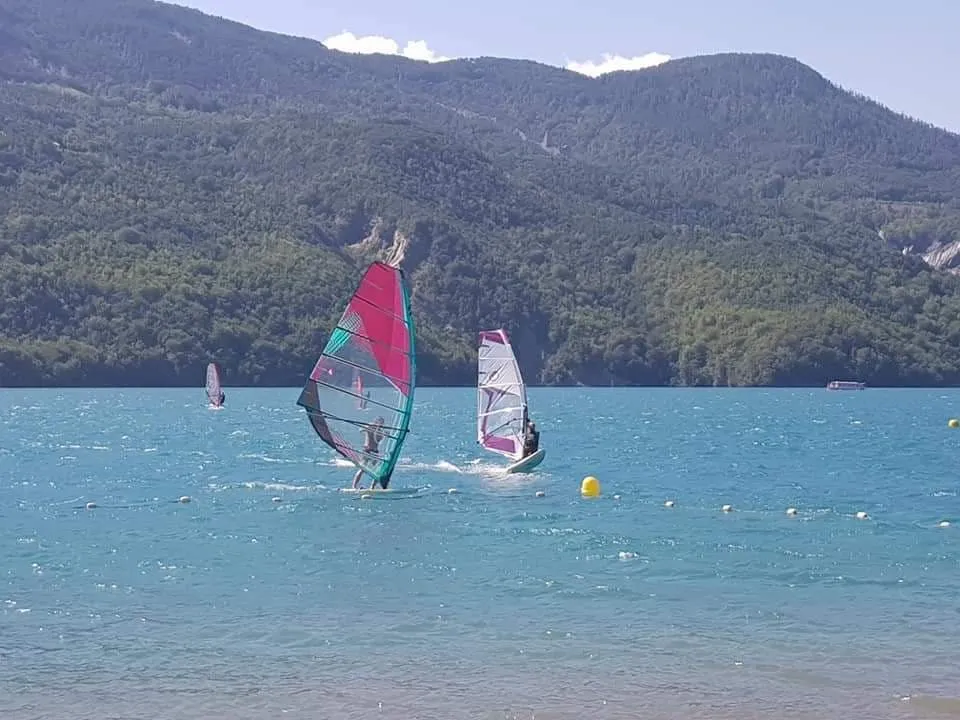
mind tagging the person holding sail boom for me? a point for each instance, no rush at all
(531, 439)
(372, 435)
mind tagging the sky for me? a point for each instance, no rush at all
(900, 54)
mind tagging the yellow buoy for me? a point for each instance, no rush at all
(590, 487)
(953, 422)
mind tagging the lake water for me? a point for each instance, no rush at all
(271, 595)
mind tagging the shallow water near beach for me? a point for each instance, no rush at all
(270, 594)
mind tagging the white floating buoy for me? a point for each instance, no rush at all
(91, 505)
(727, 508)
(627, 555)
(669, 503)
(616, 497)
(791, 511)
(277, 499)
(452, 491)
(861, 515)
(540, 493)
(184, 499)
(944, 523)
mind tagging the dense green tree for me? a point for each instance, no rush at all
(176, 188)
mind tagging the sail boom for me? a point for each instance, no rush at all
(335, 418)
(506, 387)
(353, 394)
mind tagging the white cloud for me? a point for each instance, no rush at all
(613, 63)
(371, 44)
(419, 50)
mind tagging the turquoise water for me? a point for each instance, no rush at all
(271, 595)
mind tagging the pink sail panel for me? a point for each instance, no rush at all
(379, 305)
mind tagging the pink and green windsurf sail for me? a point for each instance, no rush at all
(369, 360)
(213, 384)
(501, 396)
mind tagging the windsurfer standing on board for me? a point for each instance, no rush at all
(223, 397)
(372, 435)
(531, 439)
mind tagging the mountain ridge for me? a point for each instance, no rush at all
(176, 188)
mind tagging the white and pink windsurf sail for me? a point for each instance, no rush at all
(214, 389)
(501, 396)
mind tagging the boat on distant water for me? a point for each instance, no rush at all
(846, 385)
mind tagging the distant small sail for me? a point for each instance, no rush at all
(501, 396)
(214, 390)
(372, 348)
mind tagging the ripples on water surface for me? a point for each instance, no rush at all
(490, 603)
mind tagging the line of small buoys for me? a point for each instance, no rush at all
(182, 500)
(790, 511)
(590, 488)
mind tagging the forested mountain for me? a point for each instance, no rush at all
(176, 188)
